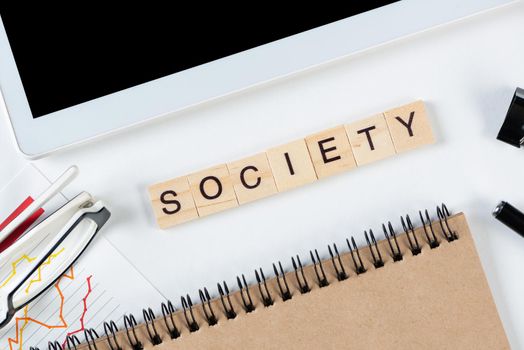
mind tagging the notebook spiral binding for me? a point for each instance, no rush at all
(267, 299)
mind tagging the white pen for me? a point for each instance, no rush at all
(57, 186)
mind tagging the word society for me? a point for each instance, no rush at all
(291, 165)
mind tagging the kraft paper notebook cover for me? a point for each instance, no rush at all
(435, 295)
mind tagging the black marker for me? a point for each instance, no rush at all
(512, 131)
(510, 216)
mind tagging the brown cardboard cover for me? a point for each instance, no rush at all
(437, 299)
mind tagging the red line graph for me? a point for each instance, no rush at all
(84, 300)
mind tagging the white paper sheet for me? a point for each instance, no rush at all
(86, 296)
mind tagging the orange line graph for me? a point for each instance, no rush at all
(71, 276)
(19, 330)
(14, 264)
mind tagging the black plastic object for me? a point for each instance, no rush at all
(510, 216)
(512, 131)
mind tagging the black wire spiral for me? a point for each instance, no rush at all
(167, 311)
(110, 329)
(130, 324)
(187, 305)
(149, 318)
(209, 313)
(72, 341)
(54, 346)
(337, 263)
(91, 336)
(319, 269)
(284, 292)
(245, 294)
(229, 311)
(299, 274)
(262, 288)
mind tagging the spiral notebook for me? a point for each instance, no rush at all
(422, 288)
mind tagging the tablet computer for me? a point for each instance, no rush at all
(68, 74)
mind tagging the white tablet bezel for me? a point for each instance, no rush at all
(39, 136)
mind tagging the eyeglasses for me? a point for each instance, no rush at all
(76, 223)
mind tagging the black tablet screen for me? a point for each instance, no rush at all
(66, 56)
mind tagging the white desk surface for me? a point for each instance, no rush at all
(466, 72)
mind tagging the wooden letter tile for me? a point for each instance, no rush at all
(291, 165)
(212, 190)
(252, 178)
(172, 202)
(409, 126)
(330, 152)
(370, 139)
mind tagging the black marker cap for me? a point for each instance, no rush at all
(510, 216)
(512, 131)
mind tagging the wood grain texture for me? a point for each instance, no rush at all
(212, 190)
(301, 162)
(370, 139)
(252, 178)
(409, 126)
(172, 202)
(330, 152)
(291, 165)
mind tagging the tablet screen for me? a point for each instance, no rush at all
(67, 56)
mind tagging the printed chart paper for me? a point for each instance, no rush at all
(91, 292)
